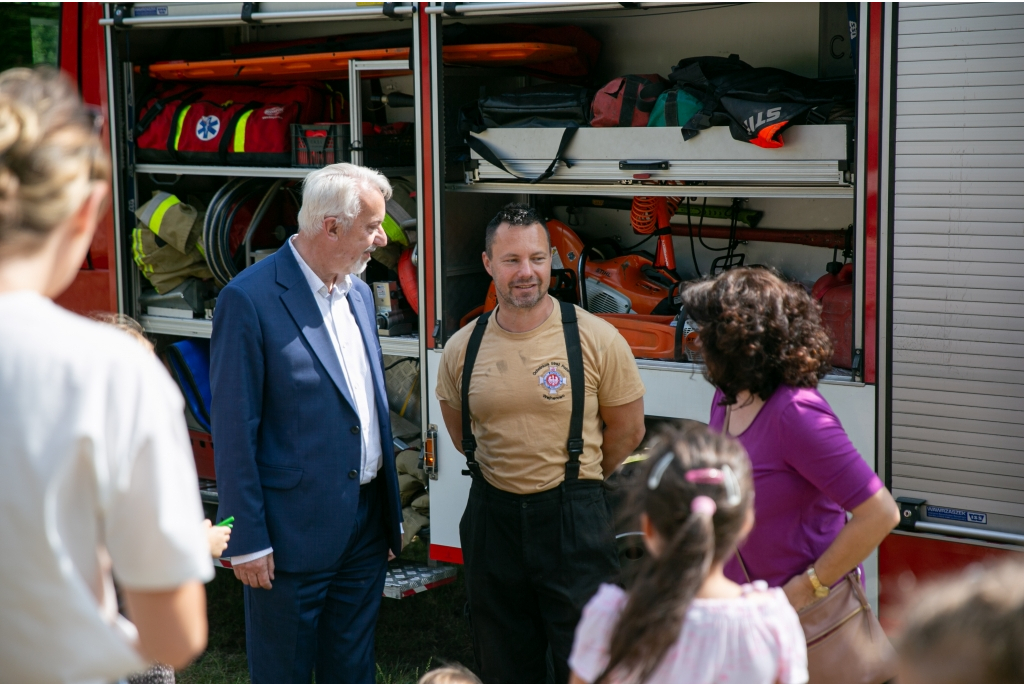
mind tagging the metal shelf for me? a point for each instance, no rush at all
(187, 328)
(248, 171)
(456, 10)
(403, 346)
(272, 13)
(637, 189)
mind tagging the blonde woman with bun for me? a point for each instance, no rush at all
(98, 479)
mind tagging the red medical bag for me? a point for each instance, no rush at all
(227, 124)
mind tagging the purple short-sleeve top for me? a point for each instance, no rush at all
(807, 475)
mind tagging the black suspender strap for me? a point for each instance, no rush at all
(468, 439)
(578, 386)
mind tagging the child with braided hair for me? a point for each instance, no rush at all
(680, 620)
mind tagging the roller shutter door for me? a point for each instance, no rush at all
(958, 261)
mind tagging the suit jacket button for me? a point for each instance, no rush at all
(355, 430)
(352, 474)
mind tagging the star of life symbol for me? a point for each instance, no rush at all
(552, 380)
(208, 127)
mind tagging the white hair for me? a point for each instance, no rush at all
(334, 191)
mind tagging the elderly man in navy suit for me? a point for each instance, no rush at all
(304, 452)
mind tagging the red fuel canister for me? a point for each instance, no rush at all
(835, 292)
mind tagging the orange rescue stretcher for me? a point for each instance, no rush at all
(334, 65)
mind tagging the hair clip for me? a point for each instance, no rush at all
(654, 480)
(733, 496)
(724, 476)
(705, 476)
(703, 505)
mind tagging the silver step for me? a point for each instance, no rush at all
(406, 579)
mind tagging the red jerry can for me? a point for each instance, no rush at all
(835, 292)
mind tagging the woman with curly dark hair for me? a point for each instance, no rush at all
(765, 350)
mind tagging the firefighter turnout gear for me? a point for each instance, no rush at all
(166, 245)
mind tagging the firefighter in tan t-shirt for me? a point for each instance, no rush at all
(537, 538)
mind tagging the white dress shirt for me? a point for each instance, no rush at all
(347, 340)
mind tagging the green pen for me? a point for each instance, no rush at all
(227, 522)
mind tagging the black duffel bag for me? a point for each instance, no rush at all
(547, 106)
(756, 103)
(552, 105)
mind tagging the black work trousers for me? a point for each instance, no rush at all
(531, 563)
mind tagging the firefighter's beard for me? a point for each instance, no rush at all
(518, 294)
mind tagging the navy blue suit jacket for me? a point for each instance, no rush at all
(285, 431)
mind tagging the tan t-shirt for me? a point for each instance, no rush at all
(520, 398)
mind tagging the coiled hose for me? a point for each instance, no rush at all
(643, 215)
(220, 217)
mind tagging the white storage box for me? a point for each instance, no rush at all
(810, 155)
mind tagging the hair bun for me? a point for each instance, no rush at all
(10, 126)
(49, 153)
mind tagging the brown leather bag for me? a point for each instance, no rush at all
(845, 642)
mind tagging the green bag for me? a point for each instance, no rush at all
(674, 107)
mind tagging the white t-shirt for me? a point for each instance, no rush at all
(95, 473)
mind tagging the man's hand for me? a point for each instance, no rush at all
(391, 555)
(256, 573)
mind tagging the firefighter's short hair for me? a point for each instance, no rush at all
(513, 214)
(335, 191)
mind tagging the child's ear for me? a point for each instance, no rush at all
(651, 538)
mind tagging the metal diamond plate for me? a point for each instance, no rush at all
(405, 579)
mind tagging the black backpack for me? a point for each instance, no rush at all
(756, 103)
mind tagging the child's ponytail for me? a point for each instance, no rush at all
(696, 493)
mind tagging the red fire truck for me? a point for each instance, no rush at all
(922, 182)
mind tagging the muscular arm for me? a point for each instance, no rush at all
(871, 522)
(453, 422)
(623, 431)
(172, 624)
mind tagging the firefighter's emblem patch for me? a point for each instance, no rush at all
(207, 128)
(552, 380)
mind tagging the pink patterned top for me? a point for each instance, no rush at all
(755, 638)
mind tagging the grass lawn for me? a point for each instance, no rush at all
(413, 634)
